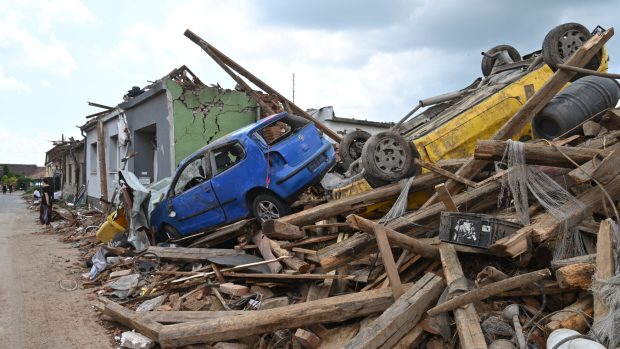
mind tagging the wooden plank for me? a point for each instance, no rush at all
(400, 317)
(280, 230)
(388, 261)
(446, 198)
(333, 309)
(605, 266)
(355, 202)
(189, 255)
(445, 173)
(309, 241)
(467, 320)
(490, 290)
(285, 277)
(355, 247)
(532, 107)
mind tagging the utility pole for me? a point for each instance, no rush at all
(293, 87)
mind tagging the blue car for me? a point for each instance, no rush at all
(256, 171)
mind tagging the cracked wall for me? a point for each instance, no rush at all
(204, 115)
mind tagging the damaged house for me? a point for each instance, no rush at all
(156, 127)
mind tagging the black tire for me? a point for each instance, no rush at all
(351, 145)
(387, 157)
(265, 202)
(414, 171)
(487, 62)
(167, 233)
(562, 41)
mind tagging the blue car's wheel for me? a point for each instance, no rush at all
(267, 206)
(167, 233)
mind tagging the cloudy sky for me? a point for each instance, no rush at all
(369, 59)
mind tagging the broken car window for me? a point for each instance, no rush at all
(281, 129)
(194, 173)
(227, 156)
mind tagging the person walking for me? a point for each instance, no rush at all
(45, 210)
(4, 189)
(10, 189)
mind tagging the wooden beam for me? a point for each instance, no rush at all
(333, 309)
(356, 202)
(467, 320)
(388, 261)
(490, 290)
(131, 319)
(605, 265)
(577, 275)
(537, 154)
(445, 173)
(401, 317)
(258, 82)
(446, 198)
(532, 106)
(103, 172)
(276, 229)
(355, 247)
(175, 317)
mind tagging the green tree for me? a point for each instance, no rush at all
(6, 171)
(5, 179)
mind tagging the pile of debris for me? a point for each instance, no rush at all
(325, 282)
(516, 247)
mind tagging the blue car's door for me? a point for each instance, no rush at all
(194, 202)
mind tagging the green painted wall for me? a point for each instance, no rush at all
(205, 115)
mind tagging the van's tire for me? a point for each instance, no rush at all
(350, 147)
(387, 157)
(562, 41)
(487, 62)
(266, 206)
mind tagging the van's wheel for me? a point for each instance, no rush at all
(387, 157)
(268, 206)
(350, 147)
(564, 40)
(488, 62)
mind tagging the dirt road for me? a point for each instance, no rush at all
(34, 312)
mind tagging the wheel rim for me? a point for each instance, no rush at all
(267, 210)
(389, 156)
(569, 42)
(355, 149)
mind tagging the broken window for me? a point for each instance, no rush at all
(281, 129)
(193, 174)
(227, 156)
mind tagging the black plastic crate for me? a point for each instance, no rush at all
(474, 229)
